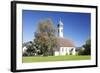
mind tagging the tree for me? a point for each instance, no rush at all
(30, 49)
(45, 37)
(87, 48)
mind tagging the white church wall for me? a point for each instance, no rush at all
(62, 50)
(73, 52)
(65, 51)
(56, 53)
(68, 50)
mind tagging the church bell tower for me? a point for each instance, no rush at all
(60, 29)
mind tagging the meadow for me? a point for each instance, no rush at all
(54, 58)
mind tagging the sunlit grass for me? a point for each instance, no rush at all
(54, 58)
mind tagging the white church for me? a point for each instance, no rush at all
(65, 46)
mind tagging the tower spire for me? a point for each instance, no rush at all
(60, 28)
(60, 19)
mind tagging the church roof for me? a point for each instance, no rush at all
(63, 42)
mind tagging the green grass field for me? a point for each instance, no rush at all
(54, 58)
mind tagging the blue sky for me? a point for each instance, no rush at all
(77, 26)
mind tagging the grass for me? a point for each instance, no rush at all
(54, 58)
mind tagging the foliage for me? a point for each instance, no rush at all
(87, 46)
(81, 51)
(30, 51)
(45, 38)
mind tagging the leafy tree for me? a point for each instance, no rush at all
(30, 49)
(45, 37)
(87, 48)
(81, 51)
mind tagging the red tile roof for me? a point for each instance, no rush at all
(63, 42)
